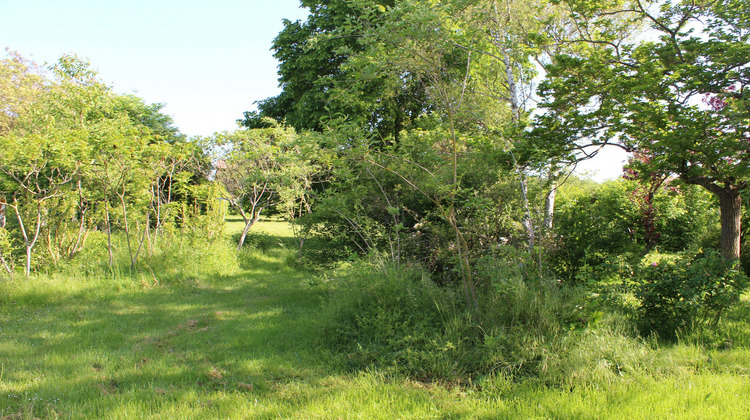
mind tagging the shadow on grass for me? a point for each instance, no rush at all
(89, 354)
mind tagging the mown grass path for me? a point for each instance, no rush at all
(244, 345)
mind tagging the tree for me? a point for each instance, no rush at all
(37, 171)
(77, 156)
(318, 83)
(680, 98)
(44, 145)
(21, 83)
(261, 168)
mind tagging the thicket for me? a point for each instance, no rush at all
(398, 320)
(475, 183)
(79, 161)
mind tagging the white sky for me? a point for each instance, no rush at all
(606, 165)
(208, 61)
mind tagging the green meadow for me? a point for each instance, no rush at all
(229, 335)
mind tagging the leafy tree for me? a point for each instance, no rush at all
(43, 148)
(160, 126)
(262, 168)
(21, 83)
(468, 67)
(77, 156)
(318, 82)
(37, 170)
(680, 98)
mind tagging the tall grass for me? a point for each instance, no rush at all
(399, 321)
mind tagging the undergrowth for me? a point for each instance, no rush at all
(400, 321)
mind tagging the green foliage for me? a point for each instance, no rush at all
(599, 227)
(20, 87)
(262, 169)
(687, 293)
(646, 96)
(592, 225)
(319, 83)
(399, 320)
(77, 157)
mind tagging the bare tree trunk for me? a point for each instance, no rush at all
(127, 228)
(108, 222)
(248, 224)
(549, 204)
(109, 234)
(5, 264)
(730, 204)
(155, 198)
(81, 236)
(29, 243)
(143, 239)
(528, 222)
(55, 255)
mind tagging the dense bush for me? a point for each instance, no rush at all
(399, 320)
(680, 295)
(593, 223)
(601, 225)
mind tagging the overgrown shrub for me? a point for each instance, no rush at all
(597, 226)
(680, 295)
(400, 320)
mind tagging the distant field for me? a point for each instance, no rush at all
(239, 339)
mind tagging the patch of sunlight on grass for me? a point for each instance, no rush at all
(272, 226)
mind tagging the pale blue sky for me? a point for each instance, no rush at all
(208, 61)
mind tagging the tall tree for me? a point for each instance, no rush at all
(21, 84)
(318, 83)
(680, 97)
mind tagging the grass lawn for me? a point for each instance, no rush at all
(243, 344)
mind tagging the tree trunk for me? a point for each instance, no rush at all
(730, 204)
(549, 205)
(28, 242)
(7, 267)
(248, 225)
(528, 222)
(127, 228)
(80, 238)
(109, 234)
